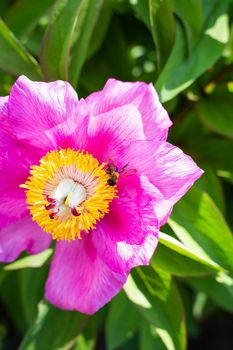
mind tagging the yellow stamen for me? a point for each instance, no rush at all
(53, 213)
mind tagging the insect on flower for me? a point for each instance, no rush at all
(57, 183)
(114, 173)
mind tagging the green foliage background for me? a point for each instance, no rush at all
(186, 49)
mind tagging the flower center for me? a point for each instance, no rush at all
(68, 193)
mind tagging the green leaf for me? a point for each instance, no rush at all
(11, 299)
(141, 8)
(190, 13)
(174, 257)
(101, 27)
(216, 152)
(88, 338)
(157, 281)
(167, 317)
(219, 289)
(84, 344)
(122, 321)
(31, 291)
(14, 58)
(211, 184)
(23, 15)
(30, 261)
(215, 112)
(180, 70)
(114, 62)
(149, 339)
(21, 291)
(53, 329)
(56, 45)
(201, 227)
(226, 175)
(85, 30)
(71, 25)
(163, 28)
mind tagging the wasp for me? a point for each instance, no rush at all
(114, 173)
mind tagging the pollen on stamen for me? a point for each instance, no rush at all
(68, 193)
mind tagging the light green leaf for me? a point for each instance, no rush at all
(30, 261)
(180, 70)
(122, 321)
(53, 329)
(226, 175)
(174, 257)
(14, 58)
(167, 317)
(84, 344)
(201, 227)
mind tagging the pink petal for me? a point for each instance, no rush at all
(168, 169)
(43, 113)
(3, 107)
(15, 161)
(144, 98)
(79, 279)
(110, 132)
(128, 236)
(22, 235)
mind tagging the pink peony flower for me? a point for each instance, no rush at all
(97, 175)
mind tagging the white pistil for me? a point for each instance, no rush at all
(69, 193)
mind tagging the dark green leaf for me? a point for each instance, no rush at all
(88, 338)
(122, 321)
(167, 317)
(84, 31)
(215, 112)
(53, 329)
(56, 46)
(67, 38)
(31, 291)
(24, 14)
(149, 339)
(219, 289)
(141, 8)
(211, 184)
(163, 28)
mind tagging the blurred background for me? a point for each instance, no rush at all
(185, 48)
